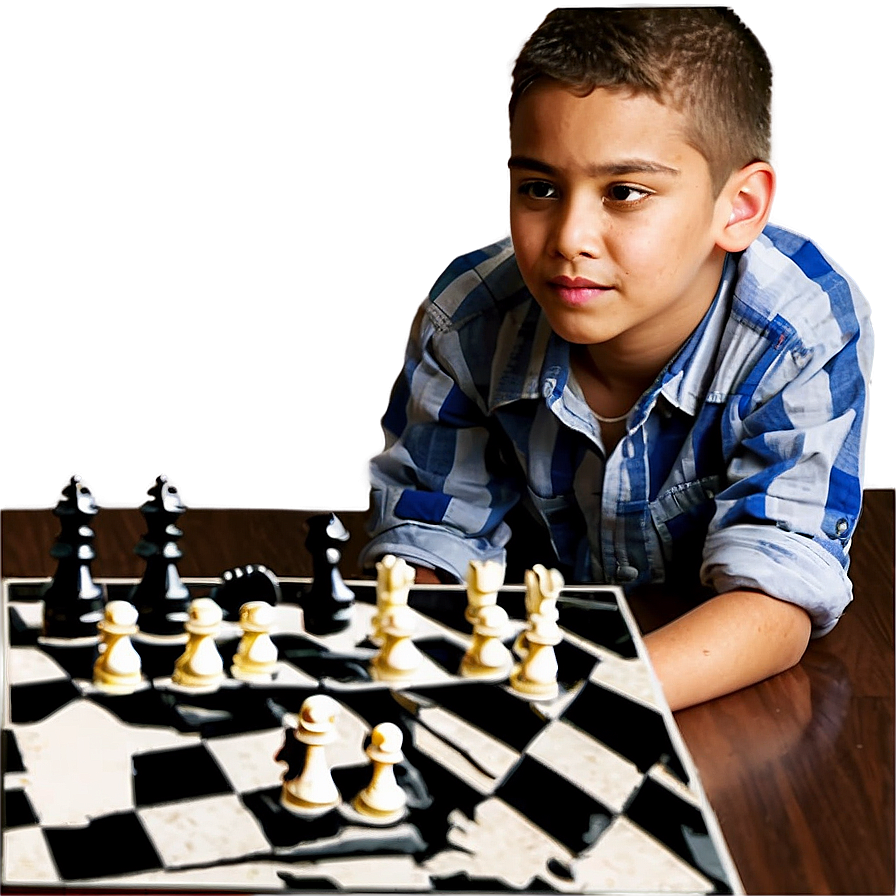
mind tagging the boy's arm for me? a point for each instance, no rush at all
(439, 492)
(426, 576)
(777, 549)
(731, 641)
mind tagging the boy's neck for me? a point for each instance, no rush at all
(598, 365)
(623, 368)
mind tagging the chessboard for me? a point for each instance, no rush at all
(589, 790)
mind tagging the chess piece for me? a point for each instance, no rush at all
(73, 602)
(383, 801)
(244, 584)
(256, 656)
(535, 677)
(488, 656)
(117, 668)
(394, 578)
(543, 587)
(327, 605)
(314, 791)
(200, 667)
(398, 657)
(161, 598)
(484, 580)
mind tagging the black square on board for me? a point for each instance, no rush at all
(164, 776)
(631, 729)
(503, 715)
(599, 621)
(17, 811)
(680, 826)
(36, 702)
(9, 752)
(555, 804)
(443, 652)
(110, 846)
(19, 633)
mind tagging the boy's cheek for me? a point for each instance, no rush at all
(527, 270)
(528, 243)
(521, 253)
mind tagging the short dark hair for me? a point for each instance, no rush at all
(703, 61)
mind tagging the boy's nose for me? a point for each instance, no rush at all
(577, 231)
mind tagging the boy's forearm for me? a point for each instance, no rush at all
(731, 641)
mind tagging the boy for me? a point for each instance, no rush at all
(675, 390)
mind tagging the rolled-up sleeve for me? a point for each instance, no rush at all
(794, 438)
(783, 564)
(437, 497)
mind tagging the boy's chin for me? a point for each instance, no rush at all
(581, 333)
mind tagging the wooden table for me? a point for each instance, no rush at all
(799, 769)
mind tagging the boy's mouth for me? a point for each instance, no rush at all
(576, 290)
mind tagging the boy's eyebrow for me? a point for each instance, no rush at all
(624, 166)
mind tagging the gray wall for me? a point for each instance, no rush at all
(217, 218)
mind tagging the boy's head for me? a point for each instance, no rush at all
(702, 61)
(638, 162)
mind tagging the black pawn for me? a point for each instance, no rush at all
(327, 605)
(73, 602)
(161, 598)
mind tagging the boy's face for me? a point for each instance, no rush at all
(613, 218)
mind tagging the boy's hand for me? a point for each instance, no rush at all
(729, 642)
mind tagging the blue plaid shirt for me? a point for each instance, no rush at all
(741, 467)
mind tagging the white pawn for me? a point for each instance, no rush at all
(256, 657)
(314, 791)
(487, 656)
(394, 578)
(200, 667)
(117, 668)
(484, 580)
(536, 676)
(543, 587)
(383, 800)
(399, 657)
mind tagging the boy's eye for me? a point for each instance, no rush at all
(627, 194)
(537, 189)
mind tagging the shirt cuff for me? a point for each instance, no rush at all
(430, 546)
(782, 564)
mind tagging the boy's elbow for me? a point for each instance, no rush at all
(793, 651)
(792, 626)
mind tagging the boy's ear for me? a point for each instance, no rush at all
(744, 206)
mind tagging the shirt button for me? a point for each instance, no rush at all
(626, 573)
(842, 527)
